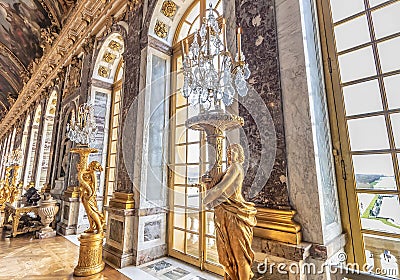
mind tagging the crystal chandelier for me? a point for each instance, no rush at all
(83, 130)
(212, 76)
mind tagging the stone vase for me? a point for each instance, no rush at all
(47, 212)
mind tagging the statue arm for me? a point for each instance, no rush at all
(226, 182)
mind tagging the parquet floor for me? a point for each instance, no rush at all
(27, 258)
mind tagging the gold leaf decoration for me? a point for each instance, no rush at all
(109, 57)
(104, 72)
(169, 8)
(115, 46)
(161, 29)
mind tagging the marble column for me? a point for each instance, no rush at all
(119, 248)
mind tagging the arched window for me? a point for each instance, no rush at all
(363, 81)
(47, 136)
(113, 134)
(33, 145)
(106, 97)
(24, 141)
(191, 227)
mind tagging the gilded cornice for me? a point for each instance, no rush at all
(86, 19)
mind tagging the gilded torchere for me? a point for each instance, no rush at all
(212, 76)
(91, 241)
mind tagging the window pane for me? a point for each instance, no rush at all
(179, 218)
(180, 116)
(212, 254)
(193, 197)
(379, 254)
(388, 53)
(386, 20)
(380, 212)
(179, 174)
(193, 244)
(357, 64)
(362, 98)
(179, 195)
(368, 134)
(210, 226)
(193, 174)
(352, 33)
(374, 172)
(180, 154)
(193, 153)
(179, 236)
(180, 134)
(395, 118)
(392, 87)
(345, 8)
(193, 135)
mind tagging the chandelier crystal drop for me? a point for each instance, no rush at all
(212, 76)
(83, 130)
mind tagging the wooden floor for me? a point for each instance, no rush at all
(27, 258)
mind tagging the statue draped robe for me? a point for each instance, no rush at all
(235, 219)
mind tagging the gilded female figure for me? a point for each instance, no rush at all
(88, 183)
(234, 218)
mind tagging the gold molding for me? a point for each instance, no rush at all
(122, 201)
(278, 225)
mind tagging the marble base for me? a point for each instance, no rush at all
(150, 254)
(120, 238)
(69, 215)
(278, 260)
(46, 234)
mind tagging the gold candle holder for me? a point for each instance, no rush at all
(91, 241)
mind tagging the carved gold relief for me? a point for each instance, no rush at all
(104, 72)
(109, 57)
(161, 29)
(169, 8)
(115, 46)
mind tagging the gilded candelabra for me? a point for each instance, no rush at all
(211, 79)
(91, 241)
(83, 132)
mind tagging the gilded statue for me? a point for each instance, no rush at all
(88, 182)
(234, 218)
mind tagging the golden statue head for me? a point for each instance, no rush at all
(235, 153)
(95, 166)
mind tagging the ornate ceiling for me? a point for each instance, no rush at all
(26, 26)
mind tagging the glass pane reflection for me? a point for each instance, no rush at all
(368, 134)
(374, 172)
(380, 212)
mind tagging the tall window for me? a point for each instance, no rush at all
(363, 40)
(44, 155)
(30, 158)
(24, 141)
(113, 134)
(191, 226)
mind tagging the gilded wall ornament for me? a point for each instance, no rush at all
(161, 29)
(109, 57)
(115, 46)
(169, 8)
(104, 72)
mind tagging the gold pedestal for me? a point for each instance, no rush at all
(278, 225)
(90, 254)
(122, 201)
